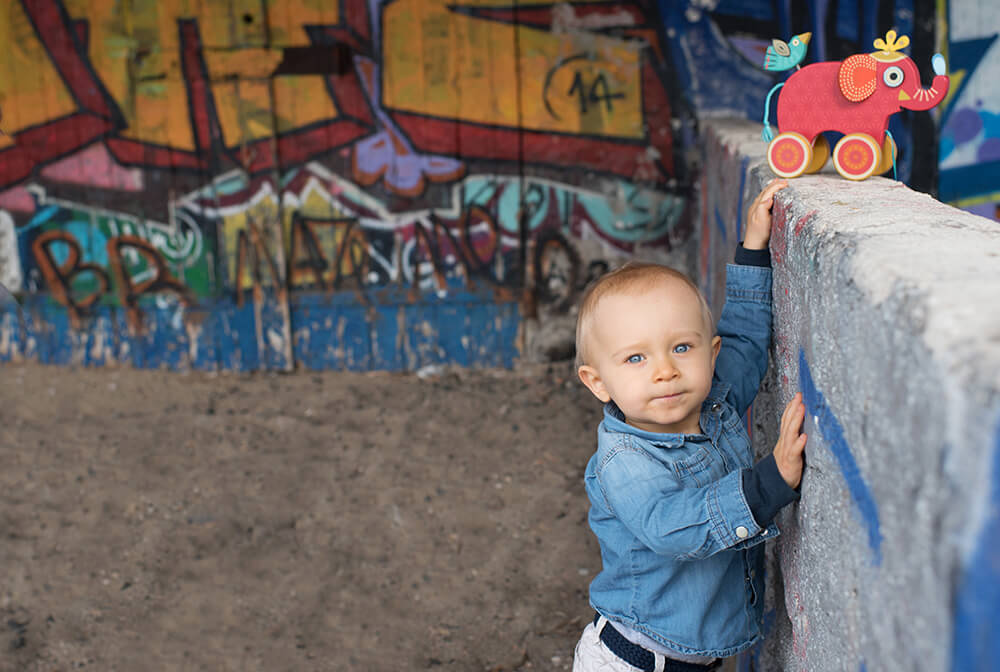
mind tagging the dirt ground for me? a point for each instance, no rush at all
(310, 521)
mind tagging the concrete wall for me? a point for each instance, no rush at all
(887, 320)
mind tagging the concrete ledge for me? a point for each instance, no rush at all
(887, 318)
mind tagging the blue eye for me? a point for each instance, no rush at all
(682, 348)
(634, 359)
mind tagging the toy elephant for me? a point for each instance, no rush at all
(855, 97)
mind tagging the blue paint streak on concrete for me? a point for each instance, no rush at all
(739, 203)
(975, 645)
(833, 434)
(721, 223)
(387, 329)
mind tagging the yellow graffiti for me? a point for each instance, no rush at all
(134, 48)
(31, 91)
(265, 214)
(485, 71)
(436, 61)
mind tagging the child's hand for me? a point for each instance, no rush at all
(759, 216)
(791, 444)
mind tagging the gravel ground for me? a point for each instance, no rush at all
(310, 521)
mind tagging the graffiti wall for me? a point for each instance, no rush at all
(259, 183)
(360, 184)
(970, 135)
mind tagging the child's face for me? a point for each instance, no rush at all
(653, 353)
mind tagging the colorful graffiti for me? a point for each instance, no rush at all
(199, 89)
(193, 156)
(188, 157)
(970, 133)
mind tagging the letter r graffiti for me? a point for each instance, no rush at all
(161, 280)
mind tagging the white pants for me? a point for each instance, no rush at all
(593, 655)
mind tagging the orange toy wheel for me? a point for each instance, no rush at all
(789, 154)
(820, 153)
(889, 153)
(856, 156)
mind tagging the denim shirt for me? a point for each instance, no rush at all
(682, 554)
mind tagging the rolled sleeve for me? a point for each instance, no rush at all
(748, 283)
(731, 515)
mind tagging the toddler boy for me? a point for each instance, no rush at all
(678, 507)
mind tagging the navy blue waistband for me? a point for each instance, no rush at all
(642, 658)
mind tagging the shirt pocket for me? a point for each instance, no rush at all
(695, 470)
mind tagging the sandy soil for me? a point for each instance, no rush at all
(312, 521)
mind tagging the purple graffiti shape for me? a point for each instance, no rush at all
(964, 125)
(989, 150)
(389, 155)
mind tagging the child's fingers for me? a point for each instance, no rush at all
(766, 196)
(794, 404)
(793, 417)
(798, 415)
(774, 186)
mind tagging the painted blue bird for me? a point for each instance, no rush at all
(785, 56)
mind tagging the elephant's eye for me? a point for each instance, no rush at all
(893, 76)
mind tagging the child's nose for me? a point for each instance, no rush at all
(665, 369)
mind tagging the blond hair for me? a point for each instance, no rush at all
(633, 277)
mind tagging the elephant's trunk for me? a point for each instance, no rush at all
(925, 99)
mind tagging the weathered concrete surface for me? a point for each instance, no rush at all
(887, 318)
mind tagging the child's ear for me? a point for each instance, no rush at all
(592, 379)
(716, 346)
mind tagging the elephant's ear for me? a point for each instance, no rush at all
(857, 77)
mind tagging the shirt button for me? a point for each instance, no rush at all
(716, 406)
(742, 532)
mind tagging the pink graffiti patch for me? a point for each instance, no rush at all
(95, 167)
(17, 199)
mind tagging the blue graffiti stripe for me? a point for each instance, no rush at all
(975, 645)
(967, 181)
(833, 434)
(721, 223)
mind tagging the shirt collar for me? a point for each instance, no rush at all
(614, 421)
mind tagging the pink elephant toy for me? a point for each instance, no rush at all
(855, 97)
